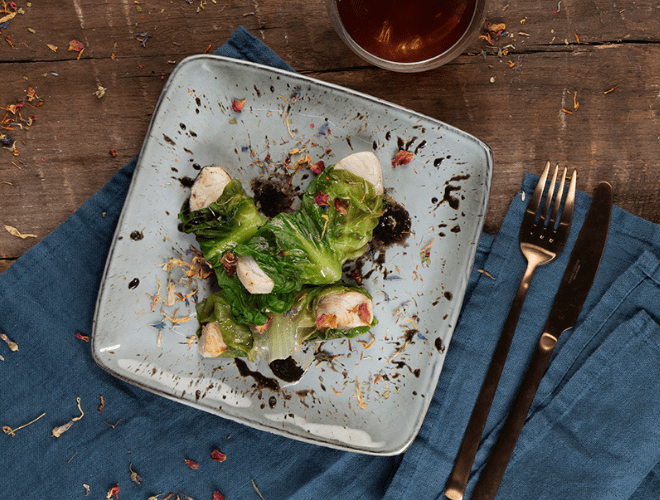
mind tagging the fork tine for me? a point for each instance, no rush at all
(555, 207)
(549, 197)
(538, 191)
(567, 213)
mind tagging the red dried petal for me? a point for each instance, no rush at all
(217, 455)
(114, 491)
(363, 313)
(80, 336)
(318, 167)
(263, 328)
(113, 152)
(402, 158)
(13, 108)
(218, 496)
(322, 199)
(326, 321)
(341, 206)
(238, 105)
(191, 464)
(76, 45)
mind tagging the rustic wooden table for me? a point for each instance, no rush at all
(573, 82)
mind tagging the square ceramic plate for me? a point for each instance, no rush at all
(368, 395)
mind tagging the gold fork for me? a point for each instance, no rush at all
(540, 243)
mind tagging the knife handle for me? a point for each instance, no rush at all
(491, 476)
(458, 479)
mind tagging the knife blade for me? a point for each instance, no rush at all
(573, 290)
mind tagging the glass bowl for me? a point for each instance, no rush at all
(469, 32)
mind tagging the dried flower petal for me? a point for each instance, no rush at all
(326, 321)
(87, 488)
(218, 496)
(363, 313)
(238, 105)
(7, 18)
(134, 476)
(58, 431)
(15, 232)
(322, 199)
(496, 28)
(359, 396)
(113, 152)
(8, 430)
(191, 464)
(217, 455)
(341, 206)
(114, 491)
(80, 336)
(263, 328)
(52, 47)
(318, 167)
(254, 485)
(13, 346)
(402, 158)
(76, 45)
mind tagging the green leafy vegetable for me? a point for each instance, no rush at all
(230, 220)
(335, 222)
(236, 336)
(284, 332)
(352, 213)
(248, 308)
(302, 253)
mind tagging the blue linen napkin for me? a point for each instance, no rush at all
(591, 431)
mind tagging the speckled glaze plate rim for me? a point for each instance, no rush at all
(188, 64)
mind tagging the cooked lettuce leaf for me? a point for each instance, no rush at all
(285, 331)
(288, 331)
(237, 336)
(230, 220)
(335, 222)
(302, 253)
(352, 212)
(248, 308)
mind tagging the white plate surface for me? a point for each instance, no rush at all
(373, 396)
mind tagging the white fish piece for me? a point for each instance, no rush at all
(208, 187)
(211, 344)
(364, 164)
(352, 309)
(252, 276)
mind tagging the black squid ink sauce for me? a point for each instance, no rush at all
(262, 381)
(287, 369)
(186, 182)
(393, 226)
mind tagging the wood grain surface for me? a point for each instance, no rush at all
(508, 91)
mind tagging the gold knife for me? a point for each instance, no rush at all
(573, 291)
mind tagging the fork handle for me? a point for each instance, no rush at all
(490, 478)
(460, 474)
